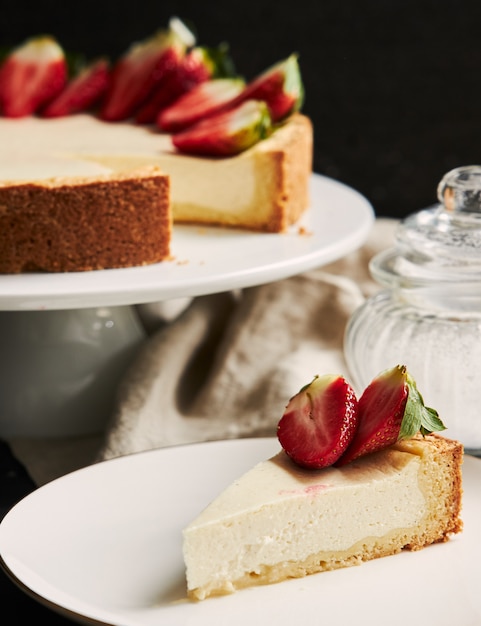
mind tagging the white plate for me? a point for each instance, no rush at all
(104, 543)
(209, 260)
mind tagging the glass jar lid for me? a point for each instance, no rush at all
(441, 243)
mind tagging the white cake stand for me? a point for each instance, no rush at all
(67, 338)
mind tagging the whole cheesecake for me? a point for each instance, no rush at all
(78, 193)
(281, 521)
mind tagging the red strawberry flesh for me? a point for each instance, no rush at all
(390, 408)
(280, 87)
(82, 92)
(227, 133)
(140, 70)
(206, 99)
(194, 68)
(381, 411)
(319, 422)
(32, 74)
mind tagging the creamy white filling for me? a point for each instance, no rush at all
(33, 148)
(224, 185)
(271, 515)
(31, 167)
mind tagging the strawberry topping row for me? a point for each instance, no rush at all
(325, 423)
(166, 80)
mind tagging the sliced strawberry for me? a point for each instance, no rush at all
(319, 422)
(198, 65)
(141, 68)
(82, 92)
(280, 86)
(390, 409)
(206, 99)
(193, 69)
(226, 133)
(32, 75)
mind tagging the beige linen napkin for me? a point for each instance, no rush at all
(225, 365)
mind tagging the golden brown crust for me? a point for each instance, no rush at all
(64, 225)
(443, 488)
(294, 167)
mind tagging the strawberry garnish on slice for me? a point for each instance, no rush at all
(319, 422)
(31, 75)
(141, 68)
(198, 65)
(226, 133)
(390, 409)
(82, 92)
(280, 86)
(206, 99)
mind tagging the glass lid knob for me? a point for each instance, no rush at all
(460, 190)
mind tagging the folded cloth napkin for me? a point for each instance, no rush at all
(225, 365)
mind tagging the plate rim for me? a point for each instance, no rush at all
(137, 285)
(267, 445)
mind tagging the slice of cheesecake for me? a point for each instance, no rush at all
(280, 521)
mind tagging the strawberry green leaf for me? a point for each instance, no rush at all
(417, 416)
(224, 66)
(431, 422)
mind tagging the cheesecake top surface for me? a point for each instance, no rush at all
(35, 148)
(278, 480)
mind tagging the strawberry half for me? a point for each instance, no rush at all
(82, 91)
(32, 75)
(136, 74)
(204, 100)
(319, 422)
(198, 65)
(390, 409)
(280, 86)
(226, 133)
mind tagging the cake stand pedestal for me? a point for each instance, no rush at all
(67, 339)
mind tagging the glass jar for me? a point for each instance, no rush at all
(428, 314)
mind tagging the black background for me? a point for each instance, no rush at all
(393, 86)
